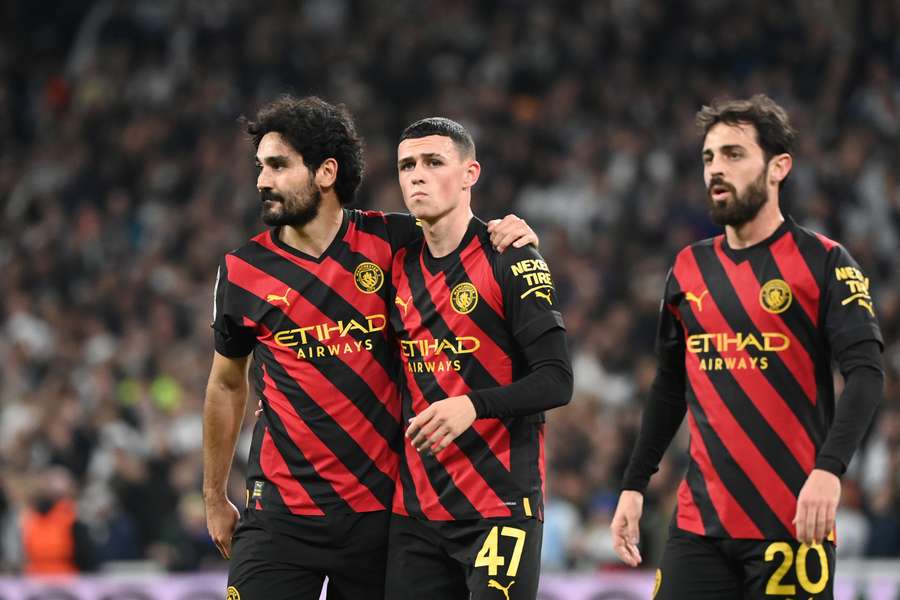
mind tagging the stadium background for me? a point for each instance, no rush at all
(124, 176)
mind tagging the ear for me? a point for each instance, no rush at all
(779, 167)
(327, 172)
(471, 174)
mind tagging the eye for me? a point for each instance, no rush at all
(406, 166)
(434, 162)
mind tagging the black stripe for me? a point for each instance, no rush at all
(329, 302)
(335, 370)
(410, 499)
(338, 441)
(734, 479)
(712, 524)
(320, 490)
(470, 442)
(726, 298)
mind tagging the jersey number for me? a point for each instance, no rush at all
(489, 555)
(776, 588)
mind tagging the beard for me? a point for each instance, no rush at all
(739, 209)
(294, 210)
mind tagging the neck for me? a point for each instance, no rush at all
(315, 237)
(758, 228)
(444, 234)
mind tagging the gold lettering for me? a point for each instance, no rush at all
(286, 338)
(776, 342)
(764, 363)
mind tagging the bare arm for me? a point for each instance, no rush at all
(223, 412)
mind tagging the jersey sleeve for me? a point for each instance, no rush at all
(232, 338)
(402, 229)
(849, 312)
(529, 297)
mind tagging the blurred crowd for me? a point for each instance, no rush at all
(124, 176)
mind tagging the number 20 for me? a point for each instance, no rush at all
(776, 588)
(489, 555)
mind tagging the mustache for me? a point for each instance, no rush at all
(719, 181)
(268, 195)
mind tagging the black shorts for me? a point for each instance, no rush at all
(277, 556)
(702, 568)
(491, 559)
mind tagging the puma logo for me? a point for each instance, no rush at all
(544, 295)
(403, 304)
(284, 298)
(493, 584)
(690, 297)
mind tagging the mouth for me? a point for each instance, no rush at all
(719, 192)
(418, 195)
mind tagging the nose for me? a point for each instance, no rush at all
(263, 180)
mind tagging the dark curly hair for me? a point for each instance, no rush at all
(317, 130)
(774, 132)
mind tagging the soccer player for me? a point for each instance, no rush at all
(484, 354)
(308, 300)
(750, 323)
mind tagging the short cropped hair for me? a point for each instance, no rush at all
(462, 139)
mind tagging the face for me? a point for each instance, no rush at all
(286, 187)
(433, 176)
(735, 173)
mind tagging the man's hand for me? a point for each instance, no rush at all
(511, 230)
(435, 427)
(625, 531)
(221, 520)
(817, 506)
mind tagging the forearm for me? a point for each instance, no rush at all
(547, 385)
(223, 412)
(662, 417)
(863, 391)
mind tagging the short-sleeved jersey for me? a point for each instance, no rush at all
(461, 321)
(323, 367)
(758, 328)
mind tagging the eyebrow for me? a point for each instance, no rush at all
(725, 148)
(425, 156)
(272, 160)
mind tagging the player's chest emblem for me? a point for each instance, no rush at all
(463, 298)
(698, 300)
(280, 298)
(368, 277)
(775, 296)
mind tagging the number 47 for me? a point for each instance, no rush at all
(489, 555)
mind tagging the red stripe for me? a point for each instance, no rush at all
(757, 388)
(481, 274)
(336, 277)
(463, 473)
(428, 500)
(369, 244)
(828, 243)
(542, 468)
(345, 413)
(688, 514)
(276, 470)
(795, 270)
(734, 519)
(302, 312)
(497, 362)
(796, 359)
(495, 433)
(741, 448)
(327, 465)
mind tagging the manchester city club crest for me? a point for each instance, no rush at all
(463, 298)
(369, 277)
(775, 296)
(232, 593)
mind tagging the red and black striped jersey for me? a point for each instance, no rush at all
(461, 321)
(758, 328)
(323, 366)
